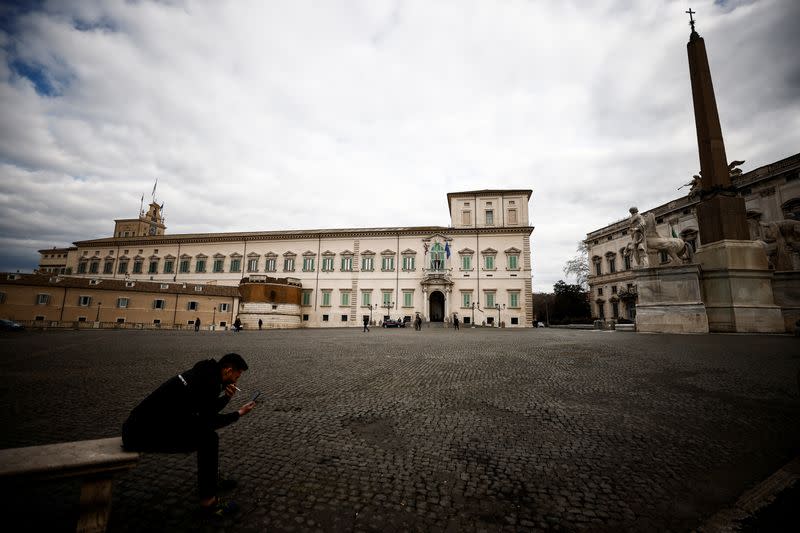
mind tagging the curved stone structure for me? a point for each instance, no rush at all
(275, 301)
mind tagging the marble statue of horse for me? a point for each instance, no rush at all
(677, 249)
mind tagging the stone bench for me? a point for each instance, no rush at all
(96, 461)
(625, 327)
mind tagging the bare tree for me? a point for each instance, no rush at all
(578, 266)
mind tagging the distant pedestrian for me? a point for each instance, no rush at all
(260, 323)
(455, 321)
(366, 324)
(237, 325)
(197, 324)
(418, 323)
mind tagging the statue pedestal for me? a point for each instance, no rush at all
(737, 288)
(786, 291)
(670, 300)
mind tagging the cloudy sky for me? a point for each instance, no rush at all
(270, 115)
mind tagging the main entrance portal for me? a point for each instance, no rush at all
(437, 307)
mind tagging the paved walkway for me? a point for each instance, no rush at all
(397, 430)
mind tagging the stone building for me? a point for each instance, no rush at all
(771, 193)
(478, 267)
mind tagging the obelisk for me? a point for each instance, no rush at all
(736, 279)
(721, 213)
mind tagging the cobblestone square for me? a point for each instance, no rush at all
(438, 430)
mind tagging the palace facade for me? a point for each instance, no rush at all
(478, 267)
(771, 193)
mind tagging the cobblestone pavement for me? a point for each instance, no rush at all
(397, 430)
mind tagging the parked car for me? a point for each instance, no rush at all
(391, 323)
(10, 325)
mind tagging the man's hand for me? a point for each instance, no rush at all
(230, 390)
(246, 408)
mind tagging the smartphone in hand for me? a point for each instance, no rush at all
(255, 396)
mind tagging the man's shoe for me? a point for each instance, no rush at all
(220, 509)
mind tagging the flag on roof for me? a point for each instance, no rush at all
(447, 249)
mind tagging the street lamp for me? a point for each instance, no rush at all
(371, 307)
(214, 318)
(97, 319)
(473, 314)
(497, 306)
(388, 305)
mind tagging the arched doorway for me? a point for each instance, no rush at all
(437, 307)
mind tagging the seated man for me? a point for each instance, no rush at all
(182, 416)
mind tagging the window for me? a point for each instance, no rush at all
(514, 321)
(466, 262)
(626, 259)
(600, 291)
(42, 299)
(612, 264)
(613, 289)
(408, 262)
(270, 265)
(159, 304)
(200, 265)
(598, 269)
(387, 263)
(308, 264)
(387, 298)
(184, 266)
(324, 318)
(489, 298)
(513, 299)
(305, 318)
(327, 264)
(437, 256)
(137, 266)
(489, 217)
(153, 267)
(223, 308)
(408, 298)
(326, 298)
(122, 303)
(466, 299)
(198, 288)
(94, 267)
(367, 264)
(663, 256)
(344, 318)
(288, 264)
(366, 298)
(513, 262)
(120, 320)
(615, 309)
(84, 301)
(512, 216)
(82, 267)
(488, 262)
(466, 218)
(192, 306)
(218, 265)
(108, 267)
(347, 264)
(122, 268)
(345, 298)
(236, 265)
(169, 265)
(306, 297)
(252, 265)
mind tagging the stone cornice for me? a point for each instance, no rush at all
(207, 238)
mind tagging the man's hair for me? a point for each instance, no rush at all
(233, 360)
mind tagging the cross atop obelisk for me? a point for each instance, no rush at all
(691, 20)
(721, 213)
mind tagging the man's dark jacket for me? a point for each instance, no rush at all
(190, 401)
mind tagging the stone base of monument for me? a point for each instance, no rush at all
(273, 316)
(670, 300)
(786, 290)
(737, 288)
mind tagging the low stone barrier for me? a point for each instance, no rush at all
(96, 461)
